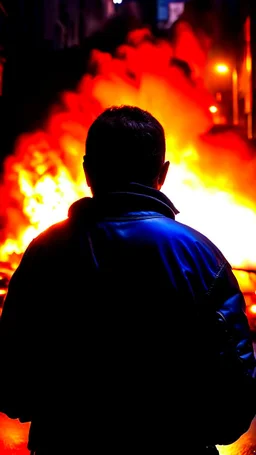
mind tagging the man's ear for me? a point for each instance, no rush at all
(162, 174)
(86, 172)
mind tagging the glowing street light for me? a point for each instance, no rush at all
(222, 68)
(213, 109)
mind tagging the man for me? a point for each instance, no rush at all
(123, 329)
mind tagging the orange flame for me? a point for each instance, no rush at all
(211, 176)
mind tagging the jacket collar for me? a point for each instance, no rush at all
(132, 198)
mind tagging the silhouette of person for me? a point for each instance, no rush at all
(123, 329)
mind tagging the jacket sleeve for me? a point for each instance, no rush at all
(235, 384)
(16, 339)
(232, 309)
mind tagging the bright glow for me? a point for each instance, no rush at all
(253, 309)
(117, 2)
(3, 291)
(211, 178)
(213, 109)
(222, 68)
(248, 63)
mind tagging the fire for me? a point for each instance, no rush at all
(210, 179)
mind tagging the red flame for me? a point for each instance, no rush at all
(210, 179)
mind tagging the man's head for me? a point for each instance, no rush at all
(125, 144)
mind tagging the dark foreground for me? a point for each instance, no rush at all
(13, 439)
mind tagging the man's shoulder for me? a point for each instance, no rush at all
(55, 232)
(184, 232)
(195, 243)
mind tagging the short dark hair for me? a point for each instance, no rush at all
(125, 144)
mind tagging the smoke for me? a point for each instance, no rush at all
(214, 173)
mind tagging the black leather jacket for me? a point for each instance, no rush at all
(117, 330)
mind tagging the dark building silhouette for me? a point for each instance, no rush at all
(44, 46)
(45, 54)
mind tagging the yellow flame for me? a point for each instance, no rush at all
(45, 174)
